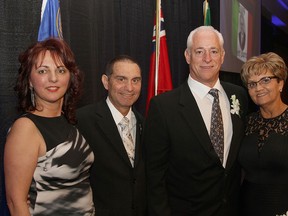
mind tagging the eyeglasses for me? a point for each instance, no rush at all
(262, 81)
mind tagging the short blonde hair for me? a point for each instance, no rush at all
(263, 63)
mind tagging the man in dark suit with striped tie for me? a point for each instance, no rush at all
(186, 174)
(117, 175)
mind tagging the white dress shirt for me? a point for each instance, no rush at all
(204, 101)
(117, 116)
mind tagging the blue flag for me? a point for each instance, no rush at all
(50, 25)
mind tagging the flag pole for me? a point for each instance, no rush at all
(160, 79)
(44, 2)
(205, 10)
(157, 43)
(206, 13)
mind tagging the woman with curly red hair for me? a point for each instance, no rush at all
(45, 157)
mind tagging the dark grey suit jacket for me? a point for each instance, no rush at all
(118, 188)
(184, 173)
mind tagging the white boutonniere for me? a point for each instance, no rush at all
(235, 106)
(283, 214)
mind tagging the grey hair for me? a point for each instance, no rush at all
(204, 28)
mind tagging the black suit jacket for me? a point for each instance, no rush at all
(184, 173)
(118, 188)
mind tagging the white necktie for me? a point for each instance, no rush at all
(127, 139)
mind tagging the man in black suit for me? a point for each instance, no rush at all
(117, 180)
(185, 176)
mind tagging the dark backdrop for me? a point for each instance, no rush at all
(19, 21)
(97, 30)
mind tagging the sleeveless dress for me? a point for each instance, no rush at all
(60, 184)
(264, 158)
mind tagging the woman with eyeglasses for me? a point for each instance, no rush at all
(264, 151)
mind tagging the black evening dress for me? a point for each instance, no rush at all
(264, 158)
(60, 184)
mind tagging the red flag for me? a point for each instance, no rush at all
(159, 75)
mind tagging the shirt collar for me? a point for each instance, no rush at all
(117, 116)
(202, 90)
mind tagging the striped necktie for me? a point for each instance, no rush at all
(127, 139)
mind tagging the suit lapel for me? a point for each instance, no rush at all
(235, 142)
(138, 139)
(237, 131)
(191, 114)
(107, 126)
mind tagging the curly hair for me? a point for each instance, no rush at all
(263, 63)
(60, 51)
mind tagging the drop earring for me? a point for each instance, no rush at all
(66, 96)
(32, 95)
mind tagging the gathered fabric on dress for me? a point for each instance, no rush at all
(264, 158)
(60, 184)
